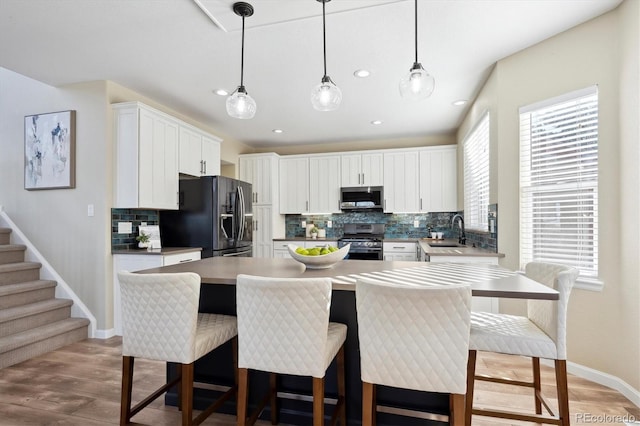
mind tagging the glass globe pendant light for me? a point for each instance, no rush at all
(417, 83)
(239, 103)
(326, 96)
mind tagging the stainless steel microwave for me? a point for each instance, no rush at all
(359, 198)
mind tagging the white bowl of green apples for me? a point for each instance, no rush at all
(318, 257)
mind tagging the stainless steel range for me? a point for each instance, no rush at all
(365, 239)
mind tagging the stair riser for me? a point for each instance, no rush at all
(42, 318)
(13, 256)
(38, 348)
(27, 297)
(21, 276)
(5, 238)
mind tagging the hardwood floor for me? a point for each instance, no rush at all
(80, 385)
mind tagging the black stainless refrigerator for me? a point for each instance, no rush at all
(214, 213)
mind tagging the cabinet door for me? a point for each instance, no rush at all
(158, 166)
(190, 156)
(294, 185)
(372, 169)
(260, 172)
(401, 192)
(438, 181)
(351, 169)
(210, 155)
(262, 235)
(324, 184)
(247, 171)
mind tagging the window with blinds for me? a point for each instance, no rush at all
(559, 181)
(476, 176)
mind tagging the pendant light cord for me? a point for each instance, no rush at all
(416, 27)
(242, 57)
(324, 40)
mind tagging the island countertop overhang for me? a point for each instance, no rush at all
(485, 280)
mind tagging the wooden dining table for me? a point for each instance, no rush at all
(395, 406)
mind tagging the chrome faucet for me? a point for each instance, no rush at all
(462, 239)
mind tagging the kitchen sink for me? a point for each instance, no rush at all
(435, 245)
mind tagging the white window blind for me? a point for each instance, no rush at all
(476, 176)
(559, 181)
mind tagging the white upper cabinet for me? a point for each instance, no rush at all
(261, 170)
(401, 189)
(146, 157)
(324, 184)
(310, 184)
(362, 169)
(199, 153)
(294, 185)
(438, 179)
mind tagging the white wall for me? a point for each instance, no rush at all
(56, 221)
(604, 327)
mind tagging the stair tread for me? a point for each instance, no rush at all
(9, 289)
(12, 247)
(10, 314)
(19, 266)
(17, 340)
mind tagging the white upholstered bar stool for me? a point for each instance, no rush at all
(541, 334)
(284, 328)
(413, 337)
(160, 321)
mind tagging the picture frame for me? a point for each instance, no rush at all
(49, 150)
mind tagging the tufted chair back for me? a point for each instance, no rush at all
(160, 315)
(414, 337)
(282, 324)
(551, 315)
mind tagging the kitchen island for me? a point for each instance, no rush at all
(219, 274)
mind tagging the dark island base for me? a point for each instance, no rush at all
(216, 368)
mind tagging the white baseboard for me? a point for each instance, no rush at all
(601, 378)
(104, 334)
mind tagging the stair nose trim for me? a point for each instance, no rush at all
(12, 247)
(26, 286)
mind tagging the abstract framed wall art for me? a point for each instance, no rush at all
(49, 150)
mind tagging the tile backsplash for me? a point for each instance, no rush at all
(136, 217)
(398, 225)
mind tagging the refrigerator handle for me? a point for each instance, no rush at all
(240, 212)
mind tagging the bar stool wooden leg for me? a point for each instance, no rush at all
(471, 376)
(127, 386)
(537, 388)
(342, 392)
(456, 408)
(563, 391)
(187, 394)
(368, 404)
(243, 386)
(318, 401)
(273, 396)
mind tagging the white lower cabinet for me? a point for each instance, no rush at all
(139, 262)
(399, 251)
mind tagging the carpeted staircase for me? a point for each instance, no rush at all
(32, 320)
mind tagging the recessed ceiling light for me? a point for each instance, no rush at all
(376, 122)
(221, 92)
(277, 131)
(459, 102)
(362, 73)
